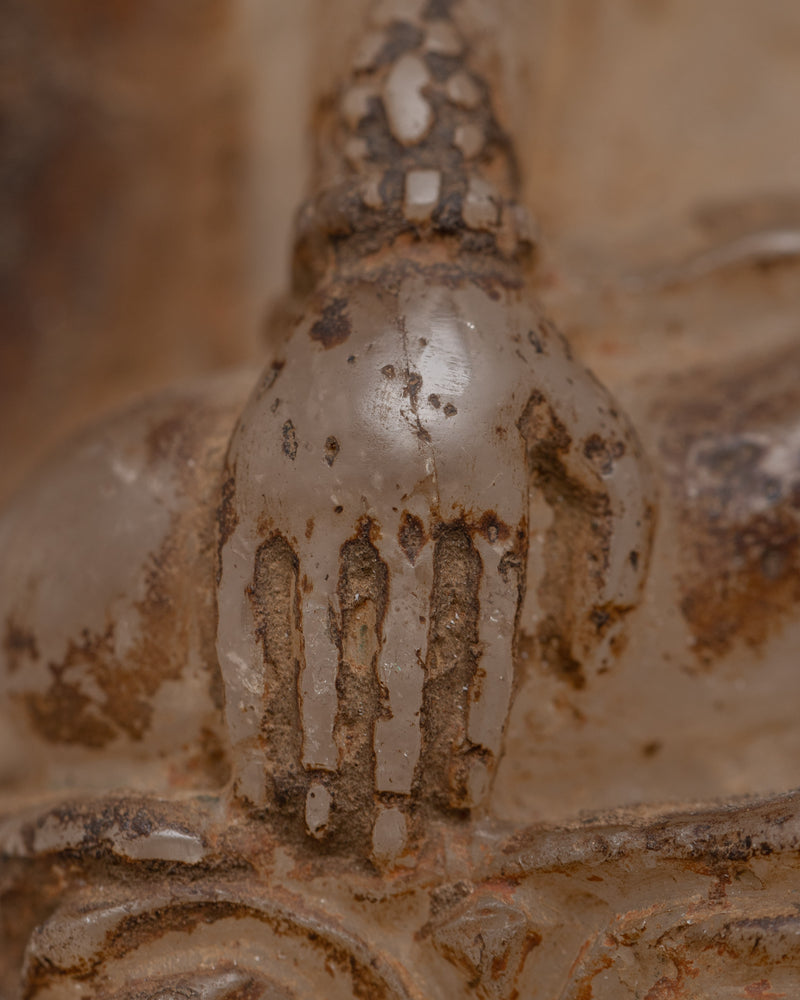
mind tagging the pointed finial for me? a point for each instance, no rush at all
(409, 148)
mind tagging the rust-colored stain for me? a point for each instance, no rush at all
(19, 644)
(96, 695)
(168, 439)
(412, 387)
(557, 655)
(603, 453)
(227, 518)
(411, 536)
(676, 987)
(492, 528)
(64, 713)
(762, 990)
(580, 537)
(275, 600)
(332, 449)
(362, 593)
(333, 327)
(269, 378)
(736, 487)
(289, 440)
(451, 669)
(584, 987)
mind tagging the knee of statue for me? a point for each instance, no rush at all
(107, 597)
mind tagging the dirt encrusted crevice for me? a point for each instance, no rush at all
(451, 668)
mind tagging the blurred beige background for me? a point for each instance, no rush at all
(153, 152)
